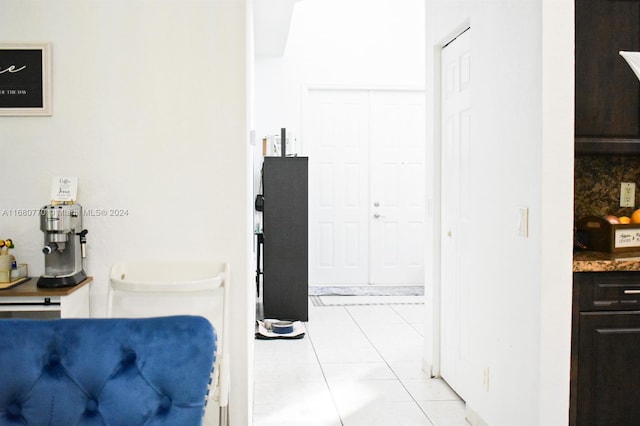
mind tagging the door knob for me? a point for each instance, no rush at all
(376, 204)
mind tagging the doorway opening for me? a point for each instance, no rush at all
(372, 56)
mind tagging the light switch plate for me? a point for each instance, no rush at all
(523, 223)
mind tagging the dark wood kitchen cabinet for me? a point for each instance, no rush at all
(605, 348)
(607, 93)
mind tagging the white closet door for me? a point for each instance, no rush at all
(457, 361)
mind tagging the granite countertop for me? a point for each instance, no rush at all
(594, 261)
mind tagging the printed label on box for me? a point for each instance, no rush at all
(627, 238)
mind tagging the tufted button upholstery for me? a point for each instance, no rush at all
(165, 404)
(14, 409)
(128, 358)
(118, 371)
(54, 359)
(92, 407)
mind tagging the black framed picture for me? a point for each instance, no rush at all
(25, 79)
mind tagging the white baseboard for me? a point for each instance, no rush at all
(427, 367)
(473, 418)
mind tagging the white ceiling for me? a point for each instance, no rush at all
(272, 19)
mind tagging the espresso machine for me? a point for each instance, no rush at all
(64, 245)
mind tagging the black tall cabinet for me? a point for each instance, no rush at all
(286, 238)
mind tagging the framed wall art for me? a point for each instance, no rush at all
(25, 79)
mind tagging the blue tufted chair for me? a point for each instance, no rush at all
(114, 372)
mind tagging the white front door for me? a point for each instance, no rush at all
(397, 188)
(456, 270)
(366, 192)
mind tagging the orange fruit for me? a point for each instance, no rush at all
(635, 216)
(625, 219)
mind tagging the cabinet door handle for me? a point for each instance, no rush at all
(632, 292)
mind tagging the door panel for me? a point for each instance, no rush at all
(608, 380)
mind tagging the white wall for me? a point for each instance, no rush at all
(339, 43)
(150, 112)
(522, 156)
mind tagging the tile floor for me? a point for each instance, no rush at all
(358, 365)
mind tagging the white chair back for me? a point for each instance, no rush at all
(157, 288)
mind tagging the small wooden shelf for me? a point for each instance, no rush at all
(30, 288)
